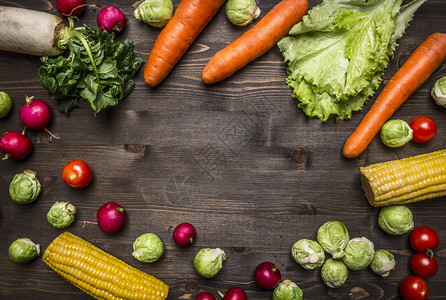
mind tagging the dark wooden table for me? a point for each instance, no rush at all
(237, 159)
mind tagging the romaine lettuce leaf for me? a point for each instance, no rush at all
(339, 51)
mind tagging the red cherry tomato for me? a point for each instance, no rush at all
(423, 265)
(414, 288)
(424, 129)
(77, 174)
(423, 238)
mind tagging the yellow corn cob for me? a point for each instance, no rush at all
(406, 180)
(98, 273)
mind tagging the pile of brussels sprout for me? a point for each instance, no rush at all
(350, 254)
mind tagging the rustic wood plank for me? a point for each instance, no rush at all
(237, 159)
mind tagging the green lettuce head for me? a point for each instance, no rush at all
(61, 214)
(333, 237)
(396, 133)
(358, 253)
(23, 250)
(241, 12)
(148, 248)
(287, 290)
(208, 262)
(156, 13)
(334, 273)
(24, 187)
(395, 219)
(382, 263)
(307, 253)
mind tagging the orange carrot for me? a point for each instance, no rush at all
(412, 74)
(256, 41)
(190, 18)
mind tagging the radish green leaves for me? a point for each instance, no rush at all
(338, 53)
(96, 69)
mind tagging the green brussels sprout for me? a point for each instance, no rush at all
(287, 290)
(396, 133)
(208, 262)
(358, 253)
(24, 187)
(5, 104)
(438, 91)
(334, 273)
(395, 219)
(148, 248)
(61, 214)
(333, 237)
(307, 253)
(156, 13)
(382, 263)
(23, 250)
(241, 12)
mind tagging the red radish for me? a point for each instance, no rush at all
(184, 234)
(111, 19)
(267, 275)
(205, 296)
(15, 145)
(36, 114)
(70, 8)
(235, 293)
(111, 217)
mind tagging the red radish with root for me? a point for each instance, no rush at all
(184, 234)
(111, 217)
(111, 19)
(235, 293)
(267, 275)
(15, 145)
(205, 296)
(70, 8)
(36, 114)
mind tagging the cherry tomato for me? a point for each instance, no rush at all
(424, 129)
(423, 238)
(414, 288)
(423, 265)
(77, 174)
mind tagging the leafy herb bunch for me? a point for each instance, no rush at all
(97, 69)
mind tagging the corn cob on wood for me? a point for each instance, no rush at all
(98, 273)
(406, 180)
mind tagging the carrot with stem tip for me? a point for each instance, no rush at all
(256, 41)
(190, 18)
(412, 74)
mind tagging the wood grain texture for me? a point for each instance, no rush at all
(237, 159)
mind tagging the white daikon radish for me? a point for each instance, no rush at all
(30, 32)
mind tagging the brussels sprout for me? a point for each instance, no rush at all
(396, 133)
(287, 290)
(307, 253)
(61, 214)
(148, 248)
(208, 262)
(382, 263)
(358, 253)
(395, 219)
(334, 273)
(156, 13)
(25, 187)
(333, 237)
(438, 91)
(5, 104)
(23, 250)
(241, 12)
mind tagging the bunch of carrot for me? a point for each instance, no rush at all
(190, 19)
